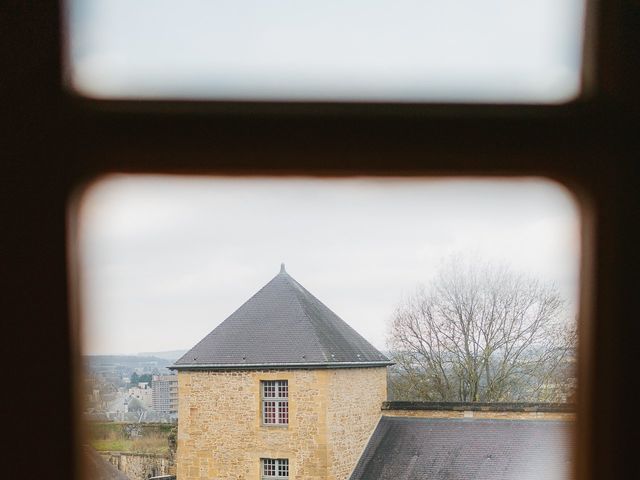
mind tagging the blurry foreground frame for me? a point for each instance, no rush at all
(57, 145)
(353, 51)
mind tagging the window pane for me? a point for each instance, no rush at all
(269, 467)
(283, 412)
(283, 389)
(283, 468)
(269, 412)
(525, 51)
(269, 389)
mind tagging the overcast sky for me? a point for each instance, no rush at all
(399, 50)
(164, 260)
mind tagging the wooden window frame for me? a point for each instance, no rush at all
(57, 144)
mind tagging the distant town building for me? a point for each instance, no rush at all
(142, 392)
(165, 394)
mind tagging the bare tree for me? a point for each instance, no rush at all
(482, 334)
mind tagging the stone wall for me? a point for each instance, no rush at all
(221, 436)
(139, 466)
(507, 411)
(477, 414)
(353, 411)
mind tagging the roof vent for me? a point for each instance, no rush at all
(282, 270)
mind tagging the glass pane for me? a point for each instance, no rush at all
(463, 282)
(525, 51)
(283, 389)
(269, 389)
(269, 467)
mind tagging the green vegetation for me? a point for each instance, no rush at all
(118, 445)
(145, 377)
(131, 437)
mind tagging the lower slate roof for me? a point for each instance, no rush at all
(282, 326)
(405, 448)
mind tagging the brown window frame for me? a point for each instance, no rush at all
(57, 143)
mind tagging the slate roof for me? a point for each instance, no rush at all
(282, 326)
(405, 448)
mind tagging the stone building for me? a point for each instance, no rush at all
(144, 393)
(282, 389)
(285, 389)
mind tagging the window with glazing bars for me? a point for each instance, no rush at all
(275, 468)
(275, 402)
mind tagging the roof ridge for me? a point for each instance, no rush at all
(343, 323)
(299, 287)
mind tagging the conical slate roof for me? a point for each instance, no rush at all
(282, 326)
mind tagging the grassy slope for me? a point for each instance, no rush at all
(116, 437)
